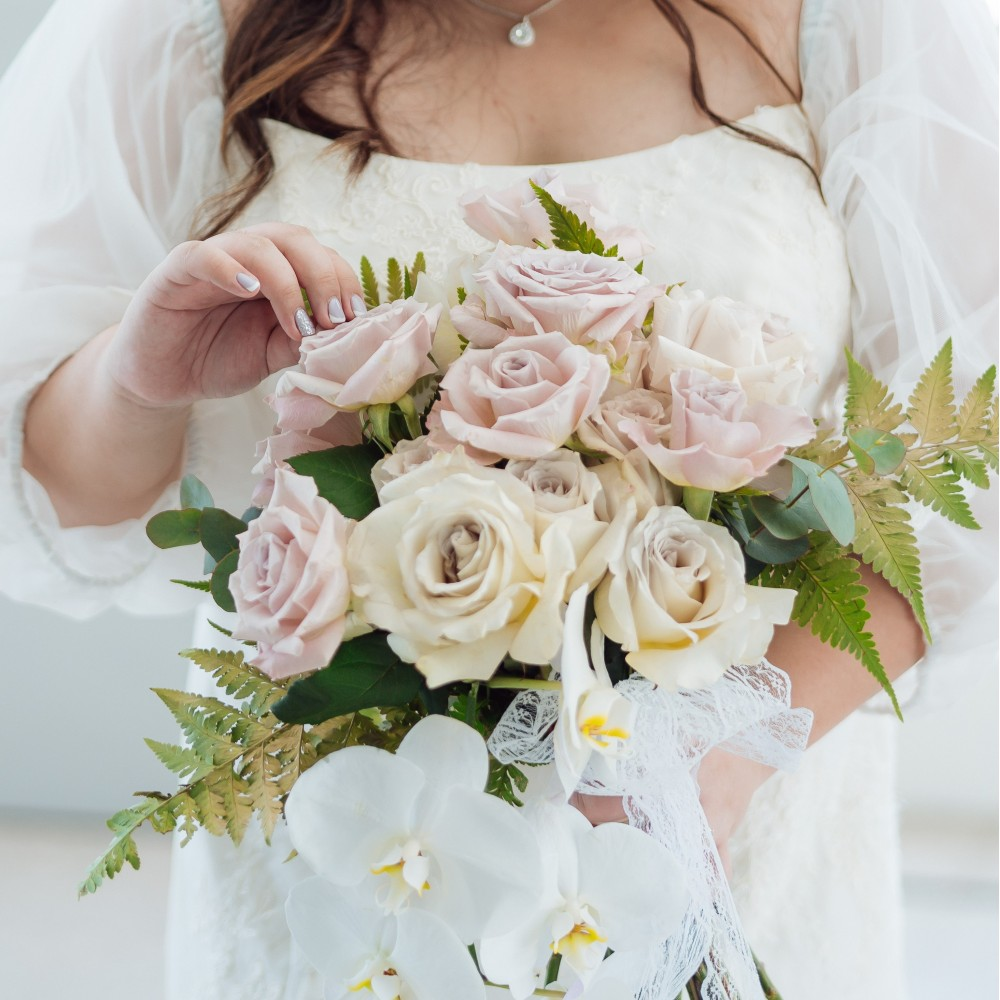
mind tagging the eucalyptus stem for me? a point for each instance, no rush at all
(770, 991)
(523, 684)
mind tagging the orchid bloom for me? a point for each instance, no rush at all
(363, 953)
(607, 887)
(593, 717)
(415, 830)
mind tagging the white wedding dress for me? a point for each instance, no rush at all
(112, 181)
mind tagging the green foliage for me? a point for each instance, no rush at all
(506, 781)
(172, 528)
(830, 600)
(203, 585)
(343, 476)
(394, 286)
(938, 486)
(363, 673)
(418, 268)
(238, 760)
(885, 538)
(869, 403)
(219, 584)
(194, 493)
(569, 231)
(876, 452)
(369, 283)
(932, 405)
(220, 531)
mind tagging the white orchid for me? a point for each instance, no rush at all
(415, 830)
(593, 717)
(362, 953)
(605, 887)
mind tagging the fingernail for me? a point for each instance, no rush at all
(303, 323)
(358, 305)
(336, 311)
(248, 281)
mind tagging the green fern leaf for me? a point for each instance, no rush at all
(988, 446)
(830, 600)
(394, 285)
(369, 283)
(215, 730)
(238, 679)
(569, 231)
(884, 537)
(969, 467)
(932, 404)
(974, 413)
(869, 403)
(122, 850)
(938, 487)
(182, 761)
(203, 585)
(826, 449)
(419, 267)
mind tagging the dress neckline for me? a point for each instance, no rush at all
(752, 120)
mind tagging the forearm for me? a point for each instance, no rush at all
(102, 457)
(831, 682)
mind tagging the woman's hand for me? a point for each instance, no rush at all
(218, 316)
(727, 785)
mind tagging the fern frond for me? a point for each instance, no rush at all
(938, 487)
(830, 600)
(868, 402)
(969, 467)
(182, 761)
(238, 679)
(826, 449)
(884, 537)
(394, 285)
(569, 231)
(932, 404)
(974, 413)
(216, 731)
(369, 283)
(988, 447)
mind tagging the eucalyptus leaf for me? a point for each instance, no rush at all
(764, 547)
(364, 673)
(171, 528)
(220, 581)
(220, 531)
(343, 476)
(194, 493)
(780, 520)
(876, 452)
(833, 502)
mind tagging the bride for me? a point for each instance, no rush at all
(177, 171)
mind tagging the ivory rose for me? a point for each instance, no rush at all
(730, 340)
(290, 586)
(591, 300)
(514, 215)
(452, 568)
(676, 601)
(718, 441)
(601, 431)
(375, 358)
(405, 457)
(520, 399)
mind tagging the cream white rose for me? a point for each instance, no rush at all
(677, 602)
(452, 566)
(729, 340)
(405, 457)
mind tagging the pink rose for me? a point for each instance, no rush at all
(515, 216)
(718, 441)
(522, 399)
(273, 452)
(591, 300)
(730, 340)
(375, 358)
(290, 587)
(601, 431)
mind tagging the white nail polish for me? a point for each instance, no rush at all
(248, 281)
(336, 311)
(358, 305)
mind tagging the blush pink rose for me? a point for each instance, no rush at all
(591, 300)
(717, 440)
(375, 358)
(730, 340)
(291, 587)
(601, 431)
(273, 452)
(522, 399)
(515, 216)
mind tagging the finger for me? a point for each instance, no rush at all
(600, 809)
(329, 282)
(279, 283)
(194, 262)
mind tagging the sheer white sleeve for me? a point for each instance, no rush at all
(902, 98)
(111, 119)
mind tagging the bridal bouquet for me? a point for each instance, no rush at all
(520, 539)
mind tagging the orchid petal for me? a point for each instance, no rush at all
(448, 752)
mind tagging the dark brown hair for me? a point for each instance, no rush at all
(280, 49)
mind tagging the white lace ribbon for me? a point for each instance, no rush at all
(747, 712)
